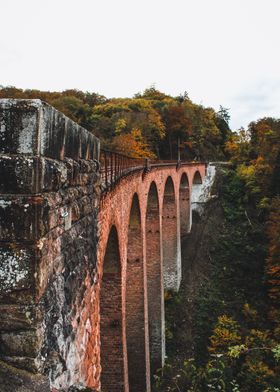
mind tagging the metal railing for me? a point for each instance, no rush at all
(114, 166)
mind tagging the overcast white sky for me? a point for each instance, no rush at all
(222, 52)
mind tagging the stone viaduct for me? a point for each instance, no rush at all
(89, 241)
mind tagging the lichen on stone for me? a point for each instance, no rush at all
(13, 269)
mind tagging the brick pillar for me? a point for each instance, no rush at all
(155, 282)
(112, 361)
(184, 205)
(171, 252)
(135, 312)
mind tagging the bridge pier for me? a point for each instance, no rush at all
(172, 270)
(135, 307)
(155, 281)
(112, 360)
(184, 205)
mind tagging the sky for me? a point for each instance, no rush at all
(222, 52)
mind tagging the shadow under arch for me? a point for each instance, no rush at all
(197, 179)
(171, 252)
(184, 204)
(196, 187)
(112, 360)
(155, 281)
(135, 308)
(195, 193)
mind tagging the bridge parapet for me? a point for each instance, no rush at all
(49, 191)
(114, 166)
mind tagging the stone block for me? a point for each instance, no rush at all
(20, 174)
(19, 317)
(17, 264)
(22, 218)
(21, 343)
(54, 176)
(52, 133)
(19, 126)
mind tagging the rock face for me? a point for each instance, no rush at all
(49, 197)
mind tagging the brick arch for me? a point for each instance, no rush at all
(184, 204)
(197, 178)
(170, 225)
(115, 208)
(154, 280)
(112, 362)
(135, 307)
(197, 181)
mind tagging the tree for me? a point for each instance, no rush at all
(132, 144)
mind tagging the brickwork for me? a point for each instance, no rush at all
(155, 281)
(115, 210)
(185, 205)
(112, 363)
(135, 314)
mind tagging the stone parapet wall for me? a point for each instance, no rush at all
(49, 197)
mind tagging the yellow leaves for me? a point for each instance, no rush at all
(236, 351)
(257, 338)
(120, 125)
(222, 338)
(259, 370)
(226, 333)
(132, 144)
(246, 172)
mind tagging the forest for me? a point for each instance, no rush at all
(149, 125)
(236, 345)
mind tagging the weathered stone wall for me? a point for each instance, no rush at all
(49, 192)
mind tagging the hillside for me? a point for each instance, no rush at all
(150, 125)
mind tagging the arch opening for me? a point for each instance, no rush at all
(197, 178)
(171, 251)
(184, 200)
(195, 194)
(112, 362)
(135, 309)
(154, 281)
(196, 187)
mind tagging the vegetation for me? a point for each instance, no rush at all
(237, 318)
(150, 125)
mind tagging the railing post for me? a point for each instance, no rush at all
(106, 169)
(111, 168)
